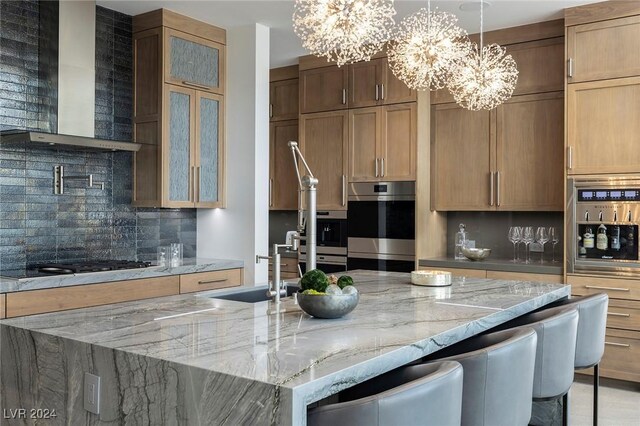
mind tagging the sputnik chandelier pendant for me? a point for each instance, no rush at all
(344, 31)
(425, 48)
(484, 78)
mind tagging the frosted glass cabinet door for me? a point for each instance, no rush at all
(179, 131)
(194, 62)
(209, 137)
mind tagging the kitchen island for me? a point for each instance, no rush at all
(198, 360)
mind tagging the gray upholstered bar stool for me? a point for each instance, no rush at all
(498, 377)
(557, 330)
(592, 326)
(416, 395)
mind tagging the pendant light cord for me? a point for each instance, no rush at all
(481, 26)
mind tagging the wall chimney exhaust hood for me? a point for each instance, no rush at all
(76, 29)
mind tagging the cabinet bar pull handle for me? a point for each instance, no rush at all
(270, 192)
(344, 96)
(219, 280)
(193, 184)
(620, 345)
(199, 86)
(344, 190)
(377, 95)
(596, 287)
(270, 110)
(618, 314)
(282, 264)
(498, 189)
(198, 182)
(570, 157)
(491, 188)
(570, 67)
(377, 167)
(382, 91)
(382, 167)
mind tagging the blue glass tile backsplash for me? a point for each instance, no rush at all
(83, 224)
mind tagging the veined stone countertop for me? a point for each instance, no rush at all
(197, 360)
(494, 265)
(189, 266)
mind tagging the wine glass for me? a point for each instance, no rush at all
(554, 237)
(542, 236)
(515, 236)
(528, 236)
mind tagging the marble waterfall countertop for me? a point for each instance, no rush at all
(246, 363)
(506, 265)
(189, 266)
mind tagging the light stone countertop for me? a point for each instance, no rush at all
(489, 264)
(189, 266)
(272, 365)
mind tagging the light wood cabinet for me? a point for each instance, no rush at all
(382, 143)
(283, 182)
(372, 83)
(507, 159)
(288, 269)
(603, 130)
(324, 143)
(82, 296)
(214, 280)
(193, 61)
(540, 66)
(191, 168)
(529, 153)
(323, 89)
(463, 158)
(178, 108)
(33, 302)
(283, 100)
(604, 50)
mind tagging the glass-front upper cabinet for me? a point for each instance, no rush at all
(209, 137)
(178, 138)
(194, 62)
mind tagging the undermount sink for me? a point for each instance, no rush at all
(252, 295)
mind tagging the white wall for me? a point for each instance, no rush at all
(241, 231)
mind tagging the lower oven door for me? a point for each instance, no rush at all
(327, 264)
(380, 262)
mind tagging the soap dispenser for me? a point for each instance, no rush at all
(461, 239)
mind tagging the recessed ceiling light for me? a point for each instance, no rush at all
(474, 6)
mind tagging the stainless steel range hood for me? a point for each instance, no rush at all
(82, 143)
(75, 86)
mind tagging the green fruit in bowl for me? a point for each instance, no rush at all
(314, 279)
(344, 281)
(313, 293)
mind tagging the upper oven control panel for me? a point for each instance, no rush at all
(609, 195)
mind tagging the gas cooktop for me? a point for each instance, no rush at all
(92, 266)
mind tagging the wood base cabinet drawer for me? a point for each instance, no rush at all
(82, 296)
(3, 301)
(616, 288)
(621, 355)
(624, 314)
(203, 281)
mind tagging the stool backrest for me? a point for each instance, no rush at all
(592, 326)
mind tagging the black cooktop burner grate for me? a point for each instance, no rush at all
(92, 266)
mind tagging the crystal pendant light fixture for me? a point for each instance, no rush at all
(344, 31)
(425, 47)
(484, 78)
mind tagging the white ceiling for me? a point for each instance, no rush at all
(285, 45)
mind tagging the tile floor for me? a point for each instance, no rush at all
(619, 403)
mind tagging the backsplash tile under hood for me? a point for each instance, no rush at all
(37, 226)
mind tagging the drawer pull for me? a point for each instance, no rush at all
(595, 287)
(618, 314)
(281, 265)
(620, 345)
(219, 280)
